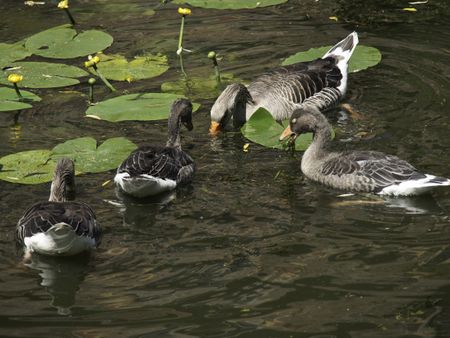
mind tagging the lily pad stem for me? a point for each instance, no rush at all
(105, 81)
(91, 83)
(72, 20)
(213, 57)
(16, 87)
(180, 37)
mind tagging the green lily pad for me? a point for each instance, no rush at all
(261, 128)
(27, 167)
(135, 107)
(89, 158)
(63, 42)
(198, 87)
(12, 52)
(117, 67)
(363, 57)
(37, 166)
(46, 75)
(230, 4)
(10, 101)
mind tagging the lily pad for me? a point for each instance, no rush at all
(63, 42)
(12, 52)
(47, 75)
(27, 167)
(10, 101)
(89, 158)
(230, 4)
(363, 57)
(117, 67)
(199, 87)
(37, 166)
(135, 107)
(261, 128)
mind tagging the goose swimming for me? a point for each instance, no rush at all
(356, 171)
(59, 226)
(151, 170)
(322, 82)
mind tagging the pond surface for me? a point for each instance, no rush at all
(251, 248)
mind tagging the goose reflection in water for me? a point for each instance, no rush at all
(61, 277)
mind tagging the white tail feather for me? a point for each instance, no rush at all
(343, 51)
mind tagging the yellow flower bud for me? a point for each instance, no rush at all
(95, 59)
(63, 4)
(184, 11)
(88, 64)
(15, 78)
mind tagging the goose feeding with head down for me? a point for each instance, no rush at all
(151, 170)
(355, 171)
(322, 82)
(59, 226)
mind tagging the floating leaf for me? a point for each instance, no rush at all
(410, 9)
(230, 4)
(261, 128)
(47, 75)
(37, 166)
(10, 101)
(12, 52)
(137, 107)
(363, 57)
(89, 158)
(63, 42)
(27, 167)
(117, 67)
(199, 87)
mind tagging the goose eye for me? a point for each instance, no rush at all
(294, 121)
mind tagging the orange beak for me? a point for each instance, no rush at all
(214, 128)
(286, 133)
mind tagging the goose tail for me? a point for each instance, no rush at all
(416, 187)
(342, 52)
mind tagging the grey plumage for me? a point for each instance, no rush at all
(160, 163)
(320, 83)
(358, 171)
(40, 217)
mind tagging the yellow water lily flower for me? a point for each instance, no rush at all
(89, 63)
(184, 11)
(95, 59)
(63, 4)
(15, 78)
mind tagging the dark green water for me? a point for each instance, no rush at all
(245, 251)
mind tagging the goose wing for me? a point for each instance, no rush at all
(162, 162)
(297, 82)
(41, 216)
(380, 168)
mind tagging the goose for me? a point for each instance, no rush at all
(59, 226)
(322, 82)
(355, 171)
(151, 170)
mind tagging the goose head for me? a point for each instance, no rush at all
(180, 114)
(63, 184)
(231, 104)
(303, 121)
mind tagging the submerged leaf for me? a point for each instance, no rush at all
(63, 42)
(261, 128)
(117, 67)
(363, 57)
(47, 75)
(137, 107)
(10, 101)
(230, 4)
(197, 87)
